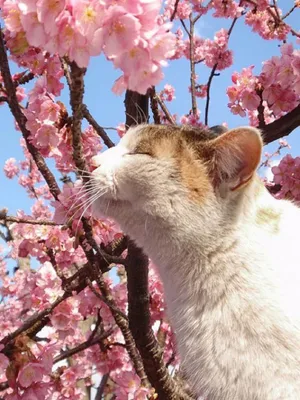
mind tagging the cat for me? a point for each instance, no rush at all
(226, 250)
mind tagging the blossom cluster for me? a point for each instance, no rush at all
(276, 89)
(212, 52)
(287, 175)
(131, 35)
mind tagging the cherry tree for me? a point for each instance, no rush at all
(82, 314)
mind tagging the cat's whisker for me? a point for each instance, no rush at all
(87, 205)
(133, 118)
(142, 114)
(84, 191)
(85, 197)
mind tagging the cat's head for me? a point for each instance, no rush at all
(155, 168)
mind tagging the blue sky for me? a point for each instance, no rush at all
(108, 109)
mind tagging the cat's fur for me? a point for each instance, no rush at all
(227, 252)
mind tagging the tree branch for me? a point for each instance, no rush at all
(140, 325)
(21, 120)
(76, 101)
(281, 127)
(137, 108)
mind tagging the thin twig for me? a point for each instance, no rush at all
(9, 218)
(213, 73)
(154, 105)
(101, 387)
(209, 82)
(185, 28)
(164, 108)
(289, 12)
(109, 303)
(83, 346)
(192, 67)
(175, 10)
(100, 131)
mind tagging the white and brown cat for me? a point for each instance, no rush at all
(228, 254)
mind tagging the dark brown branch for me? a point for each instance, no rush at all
(122, 322)
(76, 101)
(140, 325)
(137, 108)
(21, 120)
(283, 126)
(100, 131)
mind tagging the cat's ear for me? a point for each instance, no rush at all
(235, 157)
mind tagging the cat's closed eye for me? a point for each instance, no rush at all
(140, 154)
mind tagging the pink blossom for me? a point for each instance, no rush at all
(120, 31)
(121, 129)
(35, 32)
(250, 99)
(47, 135)
(30, 373)
(10, 168)
(47, 12)
(168, 93)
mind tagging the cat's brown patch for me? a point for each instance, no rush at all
(181, 145)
